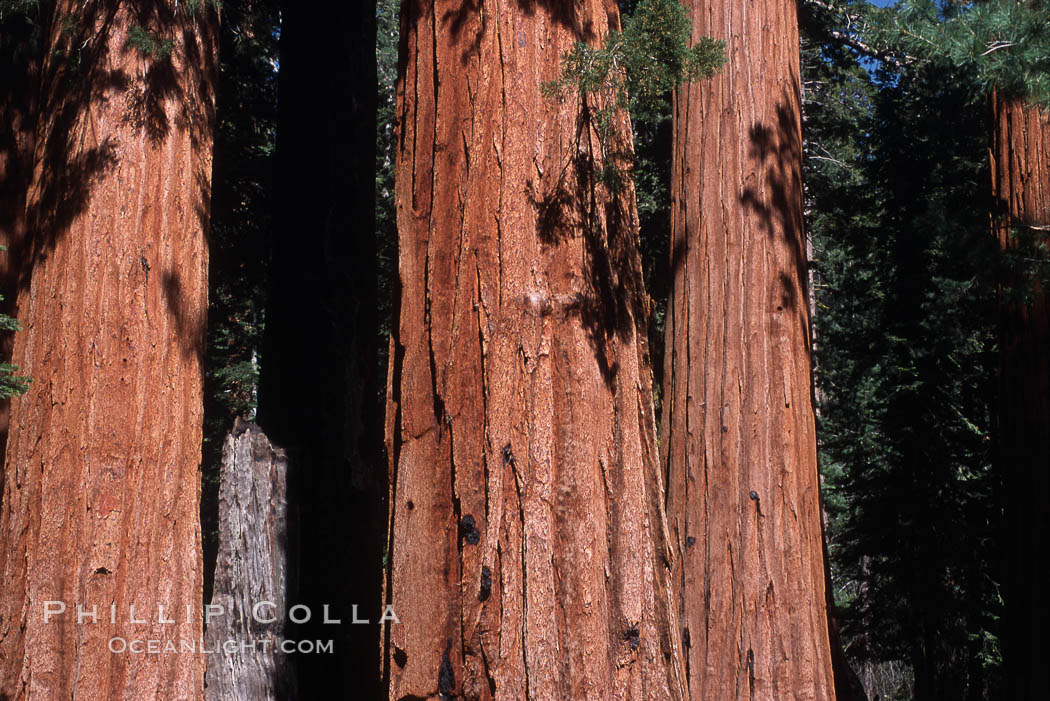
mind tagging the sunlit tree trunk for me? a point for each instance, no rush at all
(528, 556)
(101, 482)
(1021, 184)
(738, 425)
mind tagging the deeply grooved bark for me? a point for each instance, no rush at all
(738, 422)
(550, 397)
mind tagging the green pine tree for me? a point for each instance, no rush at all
(905, 357)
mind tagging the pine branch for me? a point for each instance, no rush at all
(853, 42)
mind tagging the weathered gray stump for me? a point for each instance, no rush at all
(250, 573)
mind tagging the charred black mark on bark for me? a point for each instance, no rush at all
(758, 501)
(687, 644)
(486, 584)
(439, 402)
(632, 636)
(751, 672)
(690, 542)
(468, 530)
(446, 676)
(400, 657)
(508, 456)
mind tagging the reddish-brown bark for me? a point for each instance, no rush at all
(743, 500)
(1021, 185)
(528, 552)
(101, 481)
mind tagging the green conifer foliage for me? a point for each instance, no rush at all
(635, 70)
(240, 224)
(905, 367)
(1003, 44)
(11, 385)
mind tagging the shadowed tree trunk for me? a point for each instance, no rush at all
(743, 497)
(319, 396)
(101, 482)
(1021, 185)
(528, 546)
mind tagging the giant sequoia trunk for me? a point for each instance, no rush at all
(1021, 184)
(738, 425)
(528, 555)
(101, 482)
